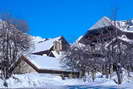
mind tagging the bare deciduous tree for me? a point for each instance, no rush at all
(14, 43)
(83, 59)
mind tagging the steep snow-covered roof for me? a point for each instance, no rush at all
(44, 44)
(45, 62)
(79, 39)
(124, 25)
(104, 21)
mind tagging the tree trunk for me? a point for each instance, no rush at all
(119, 77)
(93, 75)
(119, 74)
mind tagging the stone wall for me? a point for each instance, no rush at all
(23, 67)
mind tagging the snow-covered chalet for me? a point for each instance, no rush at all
(45, 58)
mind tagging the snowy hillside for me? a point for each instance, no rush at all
(37, 39)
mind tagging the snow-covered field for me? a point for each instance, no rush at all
(35, 80)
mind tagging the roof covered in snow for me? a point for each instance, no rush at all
(105, 21)
(124, 25)
(45, 62)
(44, 44)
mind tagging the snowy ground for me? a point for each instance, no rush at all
(35, 80)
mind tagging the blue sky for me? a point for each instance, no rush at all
(69, 18)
